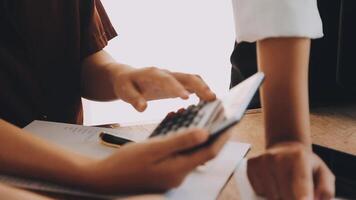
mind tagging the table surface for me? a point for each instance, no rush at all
(333, 127)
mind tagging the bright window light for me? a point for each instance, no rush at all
(182, 35)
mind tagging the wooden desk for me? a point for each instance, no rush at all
(333, 127)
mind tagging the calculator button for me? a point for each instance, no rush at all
(181, 110)
(164, 131)
(170, 115)
(201, 104)
(191, 107)
(175, 127)
(187, 123)
(180, 120)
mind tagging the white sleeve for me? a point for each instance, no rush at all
(260, 19)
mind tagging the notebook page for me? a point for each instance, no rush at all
(85, 139)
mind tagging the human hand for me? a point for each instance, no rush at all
(137, 86)
(290, 171)
(156, 165)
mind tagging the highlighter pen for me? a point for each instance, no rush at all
(112, 140)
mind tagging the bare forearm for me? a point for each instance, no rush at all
(25, 155)
(11, 193)
(285, 91)
(97, 71)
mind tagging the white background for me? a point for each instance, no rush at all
(194, 36)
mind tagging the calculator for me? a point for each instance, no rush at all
(216, 116)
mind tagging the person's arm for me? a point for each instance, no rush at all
(10, 193)
(284, 94)
(154, 165)
(288, 169)
(104, 79)
(26, 155)
(97, 70)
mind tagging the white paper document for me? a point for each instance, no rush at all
(204, 183)
(207, 181)
(84, 139)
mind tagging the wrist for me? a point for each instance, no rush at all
(115, 69)
(95, 177)
(290, 145)
(291, 139)
(81, 173)
(115, 72)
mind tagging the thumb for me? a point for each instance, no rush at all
(178, 142)
(132, 96)
(324, 181)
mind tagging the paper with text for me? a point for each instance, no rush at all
(85, 139)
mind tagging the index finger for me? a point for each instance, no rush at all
(195, 84)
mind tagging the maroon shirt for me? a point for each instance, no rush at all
(42, 46)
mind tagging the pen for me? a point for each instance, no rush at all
(112, 140)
